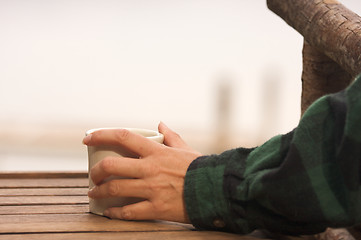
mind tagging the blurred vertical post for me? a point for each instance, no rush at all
(223, 114)
(270, 87)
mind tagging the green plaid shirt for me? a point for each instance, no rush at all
(297, 183)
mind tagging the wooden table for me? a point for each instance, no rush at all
(55, 206)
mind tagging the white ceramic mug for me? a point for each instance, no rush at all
(97, 153)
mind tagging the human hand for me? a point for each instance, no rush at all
(157, 176)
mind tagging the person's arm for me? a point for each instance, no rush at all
(298, 183)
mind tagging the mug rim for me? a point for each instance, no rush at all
(153, 133)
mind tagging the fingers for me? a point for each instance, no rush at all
(171, 138)
(146, 210)
(138, 211)
(131, 141)
(120, 188)
(125, 167)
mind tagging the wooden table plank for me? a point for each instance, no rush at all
(189, 235)
(47, 175)
(57, 223)
(43, 200)
(44, 191)
(44, 209)
(55, 206)
(44, 183)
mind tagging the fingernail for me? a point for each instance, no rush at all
(87, 139)
(91, 192)
(126, 215)
(162, 126)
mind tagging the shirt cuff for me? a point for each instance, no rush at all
(206, 202)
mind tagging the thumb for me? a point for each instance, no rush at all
(171, 138)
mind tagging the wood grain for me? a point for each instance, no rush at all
(189, 235)
(47, 175)
(43, 191)
(57, 223)
(44, 183)
(57, 208)
(43, 200)
(327, 26)
(320, 76)
(44, 209)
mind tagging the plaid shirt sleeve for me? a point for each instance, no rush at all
(297, 183)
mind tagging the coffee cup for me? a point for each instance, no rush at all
(98, 153)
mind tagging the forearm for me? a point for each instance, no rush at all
(301, 182)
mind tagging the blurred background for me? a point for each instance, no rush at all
(221, 73)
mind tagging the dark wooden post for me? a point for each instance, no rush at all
(320, 76)
(332, 49)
